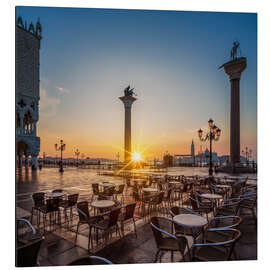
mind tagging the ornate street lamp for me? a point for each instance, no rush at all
(60, 148)
(77, 153)
(248, 154)
(213, 134)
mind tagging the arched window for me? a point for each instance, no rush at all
(18, 120)
(28, 123)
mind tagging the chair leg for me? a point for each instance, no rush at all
(171, 256)
(32, 213)
(89, 237)
(38, 218)
(156, 257)
(135, 228)
(44, 222)
(77, 232)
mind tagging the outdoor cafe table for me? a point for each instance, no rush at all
(223, 186)
(107, 184)
(226, 180)
(190, 221)
(227, 188)
(102, 204)
(137, 180)
(251, 182)
(149, 189)
(175, 182)
(53, 195)
(212, 197)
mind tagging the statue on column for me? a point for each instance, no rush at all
(129, 91)
(234, 50)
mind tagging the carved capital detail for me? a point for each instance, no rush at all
(235, 68)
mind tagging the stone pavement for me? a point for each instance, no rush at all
(59, 249)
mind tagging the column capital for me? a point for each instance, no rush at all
(127, 100)
(234, 68)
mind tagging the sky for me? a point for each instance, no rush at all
(171, 58)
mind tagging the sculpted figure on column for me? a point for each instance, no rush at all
(234, 50)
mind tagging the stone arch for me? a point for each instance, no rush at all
(22, 147)
(28, 108)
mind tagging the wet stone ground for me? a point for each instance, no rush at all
(59, 247)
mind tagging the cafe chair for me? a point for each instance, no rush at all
(222, 222)
(69, 203)
(95, 189)
(199, 207)
(155, 202)
(167, 199)
(38, 202)
(165, 240)
(51, 207)
(216, 250)
(90, 260)
(230, 207)
(120, 191)
(27, 253)
(216, 230)
(108, 224)
(108, 193)
(249, 202)
(128, 215)
(85, 218)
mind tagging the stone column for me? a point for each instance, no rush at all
(34, 130)
(128, 101)
(26, 160)
(20, 155)
(34, 162)
(21, 125)
(234, 69)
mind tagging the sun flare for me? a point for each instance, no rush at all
(136, 156)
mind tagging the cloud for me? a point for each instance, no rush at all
(62, 90)
(48, 105)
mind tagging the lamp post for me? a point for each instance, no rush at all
(248, 153)
(77, 153)
(60, 148)
(118, 156)
(82, 157)
(213, 134)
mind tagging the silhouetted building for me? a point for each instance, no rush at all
(168, 160)
(27, 91)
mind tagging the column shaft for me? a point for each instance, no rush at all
(235, 121)
(127, 134)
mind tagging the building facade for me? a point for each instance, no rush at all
(27, 92)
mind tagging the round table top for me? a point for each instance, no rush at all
(190, 220)
(211, 196)
(103, 204)
(137, 180)
(106, 184)
(251, 182)
(149, 189)
(227, 180)
(55, 194)
(223, 186)
(174, 182)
